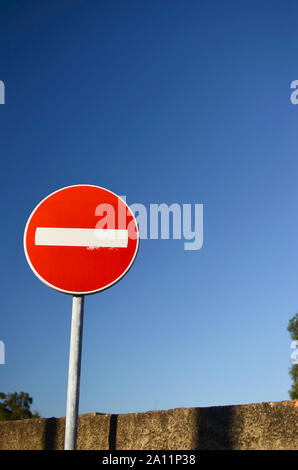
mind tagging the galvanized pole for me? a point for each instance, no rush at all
(74, 372)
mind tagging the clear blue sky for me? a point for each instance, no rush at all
(161, 101)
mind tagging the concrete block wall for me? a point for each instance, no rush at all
(258, 426)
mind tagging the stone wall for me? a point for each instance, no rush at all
(260, 426)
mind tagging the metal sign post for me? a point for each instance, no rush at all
(74, 373)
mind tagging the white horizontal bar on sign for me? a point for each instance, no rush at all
(52, 236)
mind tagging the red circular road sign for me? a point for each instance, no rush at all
(81, 239)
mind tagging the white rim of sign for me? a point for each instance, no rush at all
(67, 291)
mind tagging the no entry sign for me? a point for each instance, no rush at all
(81, 239)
